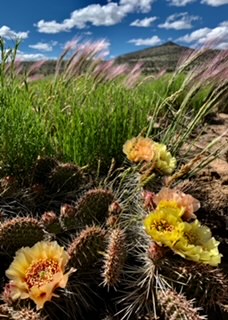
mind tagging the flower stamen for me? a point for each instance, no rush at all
(163, 226)
(41, 272)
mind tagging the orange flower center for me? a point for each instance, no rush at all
(40, 272)
(162, 226)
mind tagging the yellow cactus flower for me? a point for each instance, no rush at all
(186, 201)
(36, 272)
(140, 149)
(170, 207)
(164, 226)
(165, 162)
(144, 149)
(197, 244)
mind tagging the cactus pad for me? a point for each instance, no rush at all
(65, 178)
(85, 249)
(43, 168)
(51, 223)
(93, 206)
(20, 232)
(114, 258)
(176, 307)
(26, 314)
(67, 216)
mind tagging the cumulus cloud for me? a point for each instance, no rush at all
(7, 33)
(179, 3)
(146, 22)
(22, 56)
(218, 36)
(135, 5)
(195, 35)
(215, 3)
(41, 46)
(99, 47)
(179, 21)
(97, 15)
(153, 41)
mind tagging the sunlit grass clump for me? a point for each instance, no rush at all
(87, 110)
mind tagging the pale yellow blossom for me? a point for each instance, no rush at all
(36, 272)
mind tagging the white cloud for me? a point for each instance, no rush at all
(135, 5)
(217, 37)
(99, 47)
(153, 41)
(195, 35)
(47, 47)
(179, 3)
(51, 27)
(215, 3)
(22, 56)
(7, 33)
(178, 21)
(222, 46)
(146, 22)
(97, 15)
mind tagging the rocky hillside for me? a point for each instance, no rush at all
(163, 57)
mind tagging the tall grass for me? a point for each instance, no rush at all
(89, 108)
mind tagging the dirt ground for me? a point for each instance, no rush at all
(211, 186)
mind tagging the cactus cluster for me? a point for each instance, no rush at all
(114, 269)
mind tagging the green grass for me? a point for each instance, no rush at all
(85, 121)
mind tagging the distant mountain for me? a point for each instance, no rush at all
(155, 59)
(163, 57)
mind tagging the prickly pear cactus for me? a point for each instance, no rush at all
(93, 206)
(86, 247)
(65, 177)
(107, 249)
(20, 232)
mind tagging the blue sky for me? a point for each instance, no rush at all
(47, 26)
